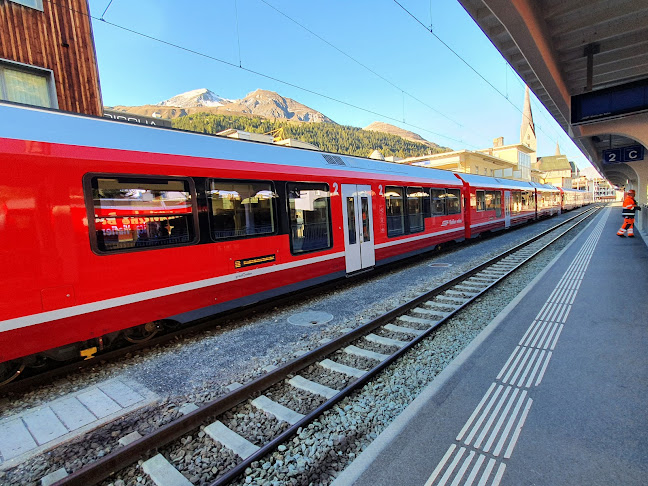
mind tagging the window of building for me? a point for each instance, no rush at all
(30, 85)
(240, 209)
(395, 207)
(437, 204)
(139, 213)
(37, 4)
(453, 201)
(415, 197)
(310, 217)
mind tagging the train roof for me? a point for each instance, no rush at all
(495, 182)
(43, 125)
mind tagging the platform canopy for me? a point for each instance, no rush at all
(587, 62)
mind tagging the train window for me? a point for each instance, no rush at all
(494, 202)
(415, 197)
(527, 200)
(395, 205)
(351, 220)
(453, 201)
(310, 217)
(481, 201)
(133, 213)
(516, 201)
(366, 223)
(437, 205)
(241, 208)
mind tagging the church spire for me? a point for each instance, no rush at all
(527, 130)
(557, 149)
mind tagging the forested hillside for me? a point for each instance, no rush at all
(327, 136)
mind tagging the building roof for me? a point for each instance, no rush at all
(554, 162)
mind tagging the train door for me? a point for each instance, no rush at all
(358, 227)
(507, 209)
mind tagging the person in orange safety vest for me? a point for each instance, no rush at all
(629, 207)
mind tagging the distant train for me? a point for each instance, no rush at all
(111, 230)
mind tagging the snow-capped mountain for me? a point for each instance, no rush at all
(262, 103)
(195, 98)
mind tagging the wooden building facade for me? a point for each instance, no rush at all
(47, 55)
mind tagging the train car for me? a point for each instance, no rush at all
(548, 200)
(110, 230)
(574, 198)
(495, 204)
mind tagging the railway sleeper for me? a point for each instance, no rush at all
(461, 292)
(437, 306)
(235, 442)
(312, 387)
(277, 410)
(431, 320)
(163, 473)
(403, 330)
(374, 338)
(452, 299)
(340, 368)
(364, 353)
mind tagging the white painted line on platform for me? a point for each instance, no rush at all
(475, 470)
(544, 368)
(528, 361)
(475, 412)
(492, 417)
(484, 414)
(484, 479)
(516, 435)
(509, 424)
(452, 467)
(463, 469)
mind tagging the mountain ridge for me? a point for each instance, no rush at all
(260, 103)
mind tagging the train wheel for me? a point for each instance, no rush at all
(141, 334)
(10, 370)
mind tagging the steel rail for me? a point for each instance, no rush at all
(117, 460)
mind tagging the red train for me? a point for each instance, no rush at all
(110, 229)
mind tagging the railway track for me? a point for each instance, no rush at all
(289, 398)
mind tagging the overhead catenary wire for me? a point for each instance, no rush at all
(505, 96)
(257, 73)
(360, 63)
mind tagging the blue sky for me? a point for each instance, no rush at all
(359, 61)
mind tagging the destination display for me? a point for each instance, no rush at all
(610, 102)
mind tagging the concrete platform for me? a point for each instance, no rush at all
(553, 392)
(36, 430)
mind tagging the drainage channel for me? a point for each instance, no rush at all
(355, 358)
